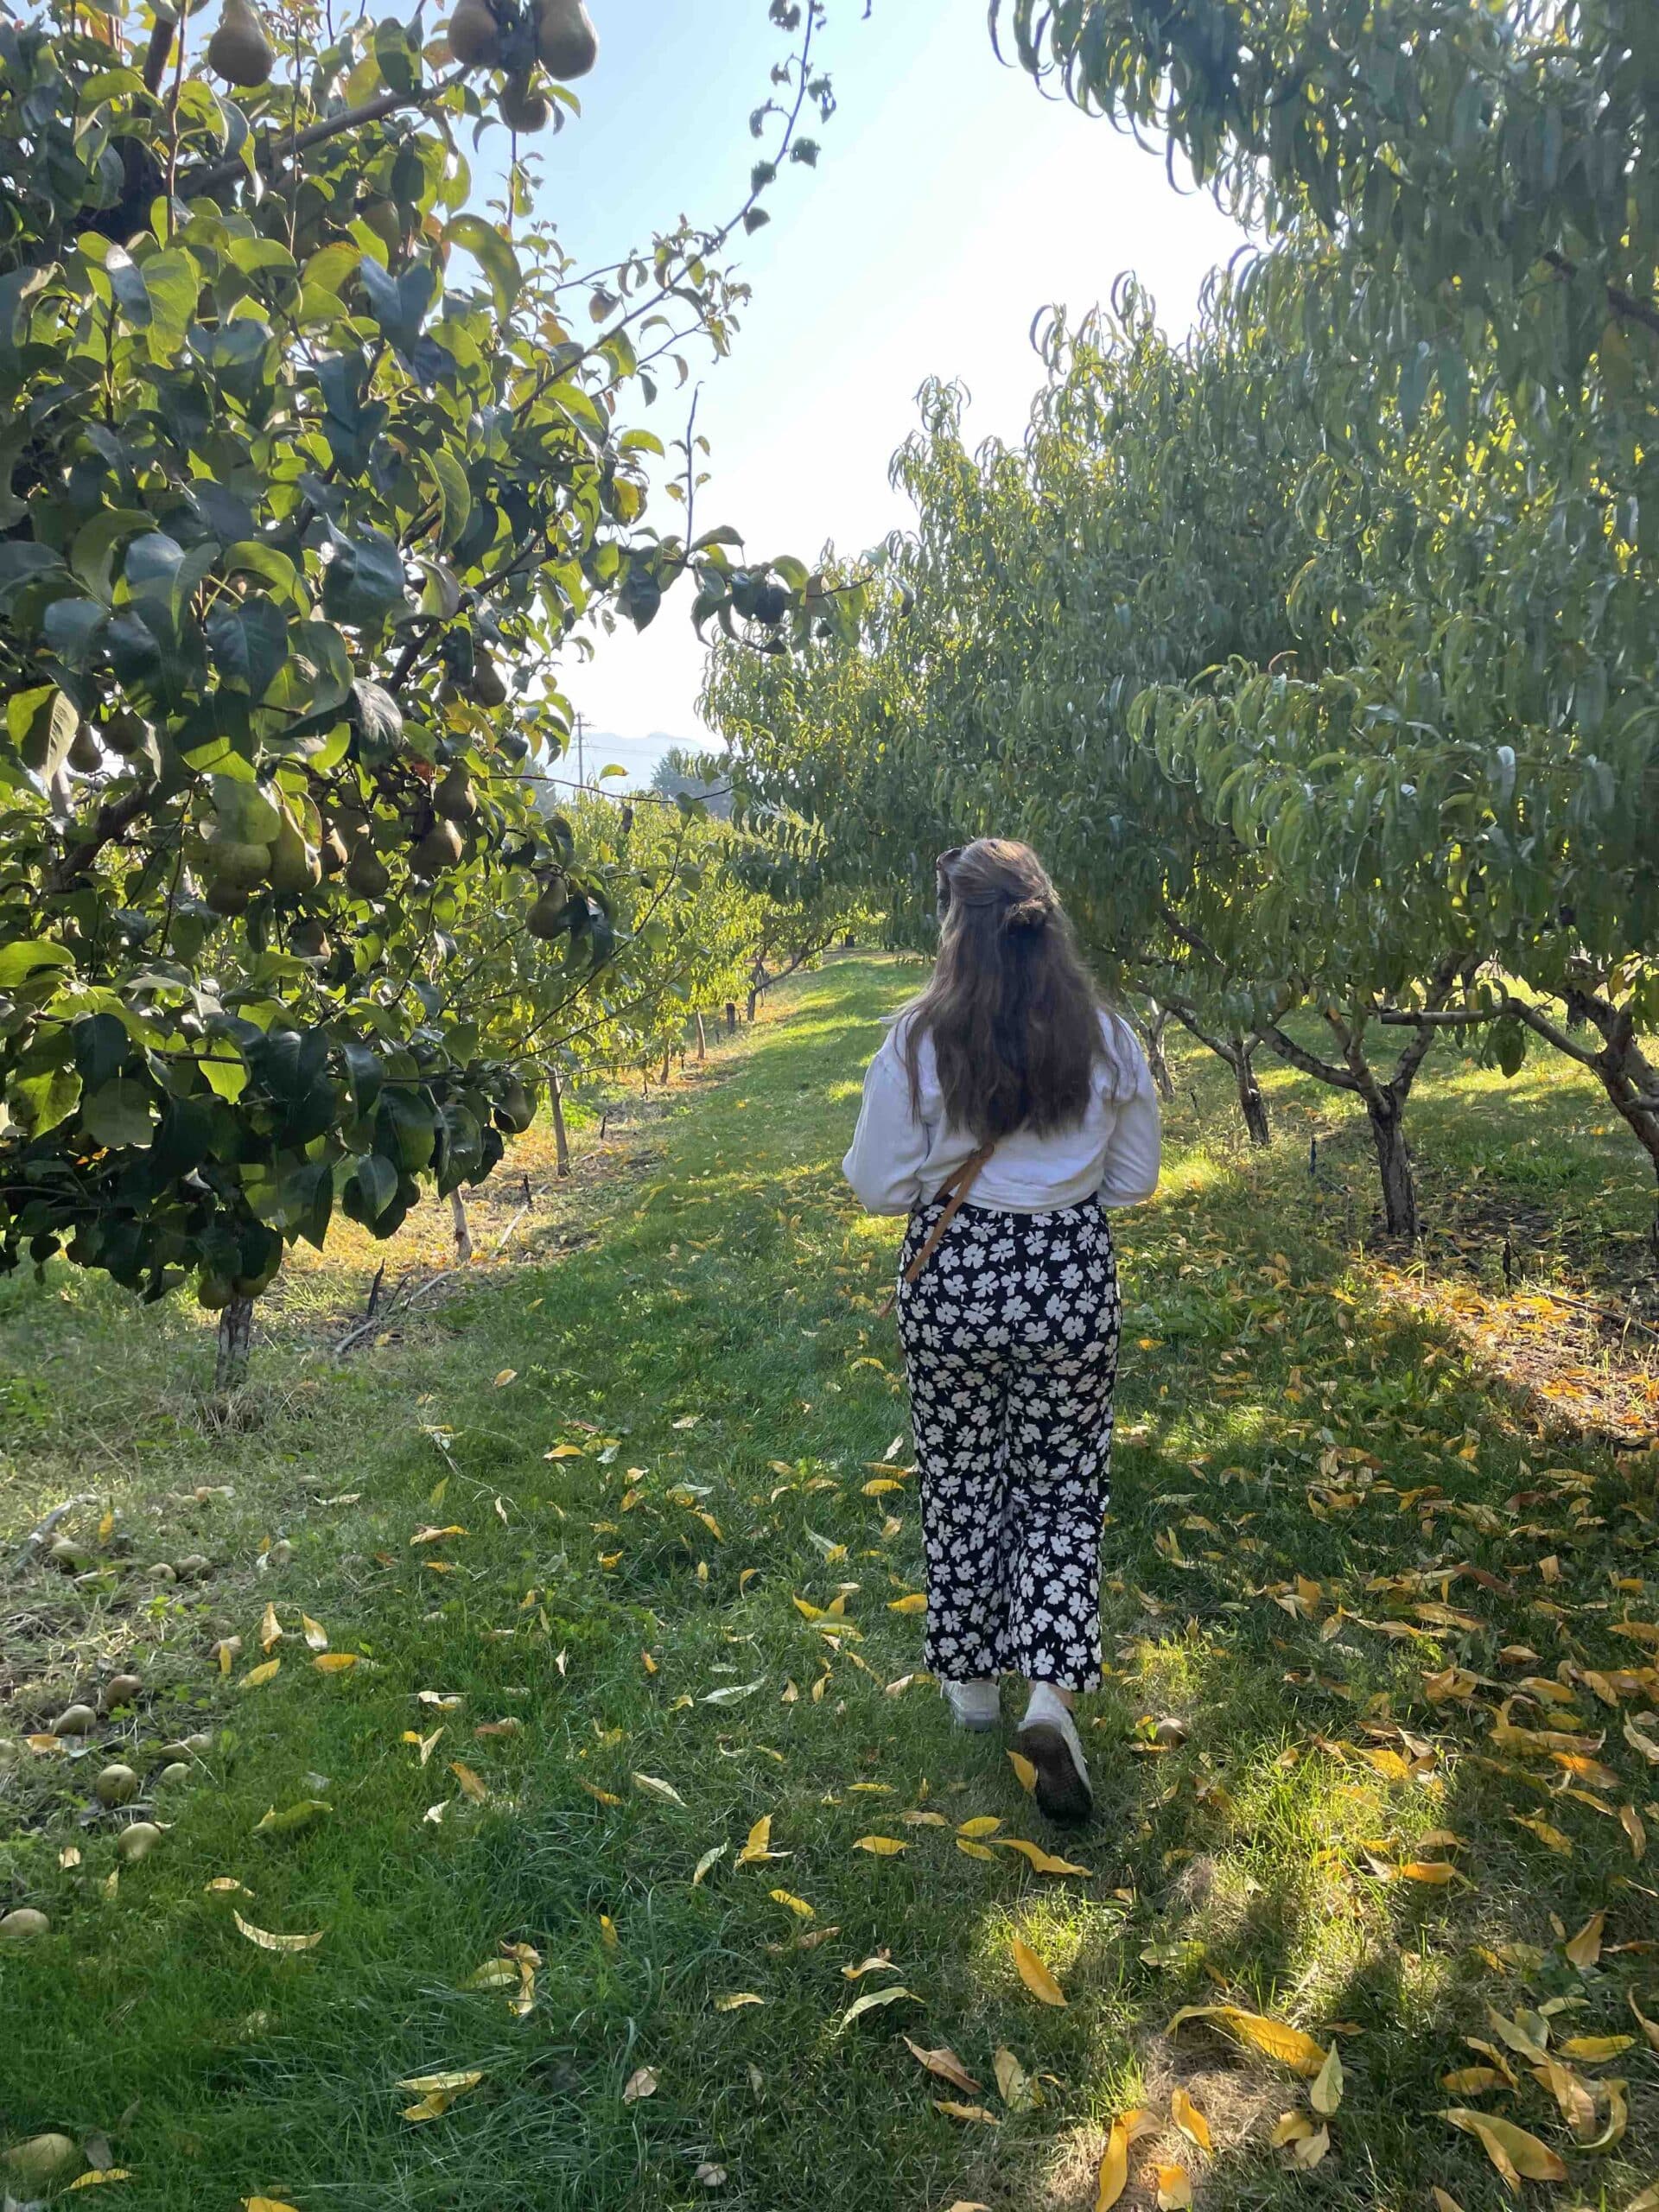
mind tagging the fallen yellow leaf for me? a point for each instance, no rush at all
(334, 1662)
(1326, 2093)
(1174, 2189)
(315, 1635)
(915, 1602)
(1036, 1975)
(654, 1787)
(471, 1783)
(270, 1630)
(870, 2000)
(1114, 2176)
(1025, 1772)
(737, 2000)
(944, 2062)
(1013, 2085)
(257, 1676)
(1585, 1948)
(642, 2083)
(1041, 1862)
(880, 1847)
(954, 2111)
(1511, 2150)
(796, 1905)
(1275, 2038)
(268, 1941)
(981, 1825)
(1191, 2121)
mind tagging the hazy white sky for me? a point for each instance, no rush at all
(951, 203)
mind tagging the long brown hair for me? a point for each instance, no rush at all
(1013, 1013)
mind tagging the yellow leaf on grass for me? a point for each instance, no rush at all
(920, 1819)
(1013, 2085)
(869, 2002)
(1511, 2150)
(257, 1676)
(981, 1825)
(1434, 1871)
(796, 1905)
(1041, 1861)
(268, 1941)
(1025, 1772)
(608, 1935)
(1585, 1948)
(1191, 2121)
(642, 2083)
(506, 1375)
(99, 2175)
(654, 1787)
(1544, 1832)
(914, 1602)
(1275, 2038)
(969, 1849)
(880, 1847)
(737, 2000)
(1290, 2127)
(227, 1885)
(944, 2062)
(266, 2204)
(604, 1796)
(1326, 2093)
(1473, 2081)
(315, 1635)
(1630, 1821)
(1595, 2050)
(270, 1629)
(758, 1851)
(879, 1486)
(952, 2110)
(334, 1662)
(1114, 2176)
(1174, 2189)
(470, 1783)
(1036, 1975)
(879, 1963)
(710, 1858)
(1307, 2150)
(564, 1452)
(1649, 2028)
(1444, 2200)
(436, 1535)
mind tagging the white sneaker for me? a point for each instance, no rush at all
(977, 1706)
(1048, 1738)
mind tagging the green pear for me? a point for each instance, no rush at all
(239, 50)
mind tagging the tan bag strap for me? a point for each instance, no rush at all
(954, 1192)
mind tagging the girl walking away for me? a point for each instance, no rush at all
(1005, 1111)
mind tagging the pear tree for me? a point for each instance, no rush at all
(318, 453)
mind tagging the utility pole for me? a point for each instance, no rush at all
(580, 723)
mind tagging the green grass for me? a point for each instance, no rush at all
(1291, 1405)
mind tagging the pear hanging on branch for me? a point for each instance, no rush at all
(523, 110)
(239, 50)
(475, 35)
(567, 45)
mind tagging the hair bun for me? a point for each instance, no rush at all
(1026, 917)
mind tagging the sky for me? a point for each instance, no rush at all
(952, 202)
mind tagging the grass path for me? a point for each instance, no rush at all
(622, 1553)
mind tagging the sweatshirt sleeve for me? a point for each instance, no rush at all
(1133, 1151)
(889, 1148)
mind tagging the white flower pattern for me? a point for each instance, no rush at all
(1010, 1336)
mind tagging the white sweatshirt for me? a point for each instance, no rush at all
(897, 1158)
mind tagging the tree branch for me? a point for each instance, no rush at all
(230, 171)
(1299, 1057)
(1519, 1010)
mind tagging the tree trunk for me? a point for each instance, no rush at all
(755, 995)
(731, 1017)
(1399, 1192)
(561, 1142)
(668, 1062)
(235, 1342)
(703, 1041)
(1251, 1104)
(463, 1234)
(1152, 1025)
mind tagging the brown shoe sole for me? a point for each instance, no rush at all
(1061, 1791)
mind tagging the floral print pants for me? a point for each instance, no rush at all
(1010, 1337)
